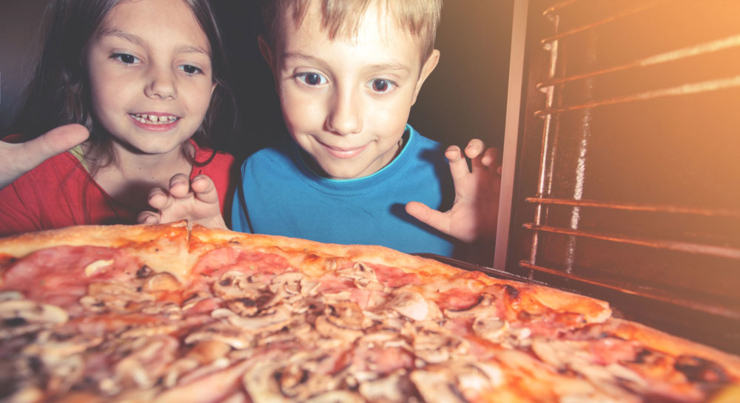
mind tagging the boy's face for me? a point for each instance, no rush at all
(346, 101)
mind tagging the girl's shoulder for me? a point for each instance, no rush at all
(206, 156)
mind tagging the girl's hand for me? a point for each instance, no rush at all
(474, 213)
(195, 201)
(17, 159)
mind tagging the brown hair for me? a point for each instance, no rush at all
(59, 93)
(341, 18)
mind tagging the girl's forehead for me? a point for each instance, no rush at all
(157, 21)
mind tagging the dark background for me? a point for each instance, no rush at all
(464, 98)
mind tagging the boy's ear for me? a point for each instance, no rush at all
(426, 70)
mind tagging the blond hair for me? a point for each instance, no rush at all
(341, 18)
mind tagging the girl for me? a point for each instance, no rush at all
(147, 78)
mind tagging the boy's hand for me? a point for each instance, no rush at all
(195, 201)
(17, 159)
(474, 213)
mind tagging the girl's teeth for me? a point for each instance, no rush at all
(157, 120)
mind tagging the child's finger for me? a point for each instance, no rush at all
(52, 143)
(180, 186)
(492, 157)
(148, 217)
(458, 165)
(474, 148)
(159, 199)
(205, 189)
(433, 218)
(474, 151)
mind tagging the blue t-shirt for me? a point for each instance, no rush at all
(281, 195)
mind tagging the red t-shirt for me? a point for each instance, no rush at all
(61, 193)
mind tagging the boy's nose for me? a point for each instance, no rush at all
(345, 116)
(161, 84)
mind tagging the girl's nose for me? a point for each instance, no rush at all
(345, 116)
(161, 84)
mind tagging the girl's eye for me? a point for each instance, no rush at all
(191, 70)
(382, 86)
(125, 58)
(312, 79)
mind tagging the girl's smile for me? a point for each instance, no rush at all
(155, 121)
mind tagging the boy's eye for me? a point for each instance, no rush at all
(125, 58)
(381, 86)
(190, 70)
(312, 79)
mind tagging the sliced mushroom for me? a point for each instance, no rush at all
(298, 328)
(208, 351)
(178, 369)
(482, 308)
(117, 297)
(435, 387)
(147, 362)
(452, 347)
(698, 369)
(562, 353)
(10, 296)
(24, 316)
(144, 272)
(478, 377)
(168, 309)
(394, 388)
(363, 275)
(193, 300)
(290, 282)
(162, 282)
(299, 383)
(147, 331)
(309, 287)
(330, 330)
(249, 306)
(347, 315)
(224, 333)
(269, 320)
(204, 370)
(63, 373)
(236, 285)
(337, 396)
(53, 344)
(93, 267)
(490, 328)
(383, 338)
(414, 306)
(261, 384)
(606, 380)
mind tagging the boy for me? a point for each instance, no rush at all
(347, 73)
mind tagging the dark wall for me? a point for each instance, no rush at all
(464, 98)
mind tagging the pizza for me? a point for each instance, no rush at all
(170, 313)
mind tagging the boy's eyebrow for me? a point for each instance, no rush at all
(389, 66)
(138, 41)
(374, 67)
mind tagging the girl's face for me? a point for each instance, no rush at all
(150, 75)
